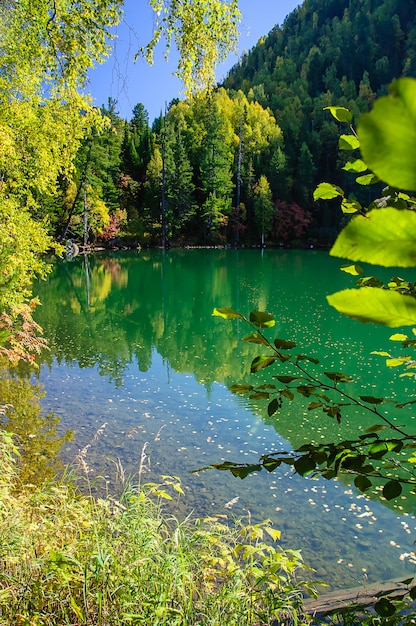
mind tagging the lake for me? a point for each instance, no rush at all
(137, 355)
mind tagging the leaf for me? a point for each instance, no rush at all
(341, 114)
(348, 142)
(362, 483)
(243, 472)
(397, 362)
(304, 465)
(388, 136)
(271, 465)
(304, 357)
(384, 237)
(227, 314)
(287, 379)
(314, 405)
(398, 337)
(350, 206)
(380, 353)
(305, 390)
(385, 608)
(354, 270)
(241, 388)
(375, 305)
(273, 533)
(282, 344)
(357, 165)
(260, 395)
(337, 377)
(262, 319)
(260, 362)
(367, 179)
(287, 394)
(392, 489)
(273, 407)
(371, 399)
(256, 338)
(327, 191)
(375, 428)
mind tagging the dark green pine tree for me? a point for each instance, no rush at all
(216, 174)
(178, 179)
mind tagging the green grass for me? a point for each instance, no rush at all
(69, 558)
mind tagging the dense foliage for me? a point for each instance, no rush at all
(337, 52)
(238, 166)
(72, 559)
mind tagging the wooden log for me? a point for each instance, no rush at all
(364, 596)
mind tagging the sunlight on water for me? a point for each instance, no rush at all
(147, 360)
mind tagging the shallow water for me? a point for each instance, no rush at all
(134, 347)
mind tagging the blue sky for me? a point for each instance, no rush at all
(131, 82)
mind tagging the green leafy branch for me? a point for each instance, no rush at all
(357, 456)
(384, 233)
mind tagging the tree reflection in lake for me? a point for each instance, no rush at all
(133, 344)
(36, 434)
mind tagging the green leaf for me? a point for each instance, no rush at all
(304, 465)
(287, 379)
(243, 472)
(262, 319)
(341, 114)
(327, 191)
(367, 179)
(260, 362)
(314, 405)
(388, 136)
(397, 362)
(392, 489)
(270, 465)
(273, 407)
(350, 206)
(287, 394)
(305, 357)
(305, 390)
(385, 608)
(282, 344)
(227, 314)
(378, 449)
(383, 237)
(357, 166)
(348, 142)
(337, 377)
(371, 399)
(398, 337)
(259, 395)
(256, 338)
(241, 388)
(369, 281)
(362, 483)
(372, 304)
(354, 270)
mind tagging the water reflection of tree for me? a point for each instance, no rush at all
(36, 434)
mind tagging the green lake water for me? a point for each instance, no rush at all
(134, 347)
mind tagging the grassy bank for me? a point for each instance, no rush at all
(69, 558)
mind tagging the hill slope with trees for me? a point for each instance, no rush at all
(331, 52)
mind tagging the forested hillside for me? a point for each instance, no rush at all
(328, 52)
(239, 165)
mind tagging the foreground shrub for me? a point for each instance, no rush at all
(74, 559)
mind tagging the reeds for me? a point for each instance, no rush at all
(72, 559)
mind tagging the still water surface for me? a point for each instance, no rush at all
(134, 347)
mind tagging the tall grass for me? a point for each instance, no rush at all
(69, 558)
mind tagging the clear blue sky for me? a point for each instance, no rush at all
(131, 82)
